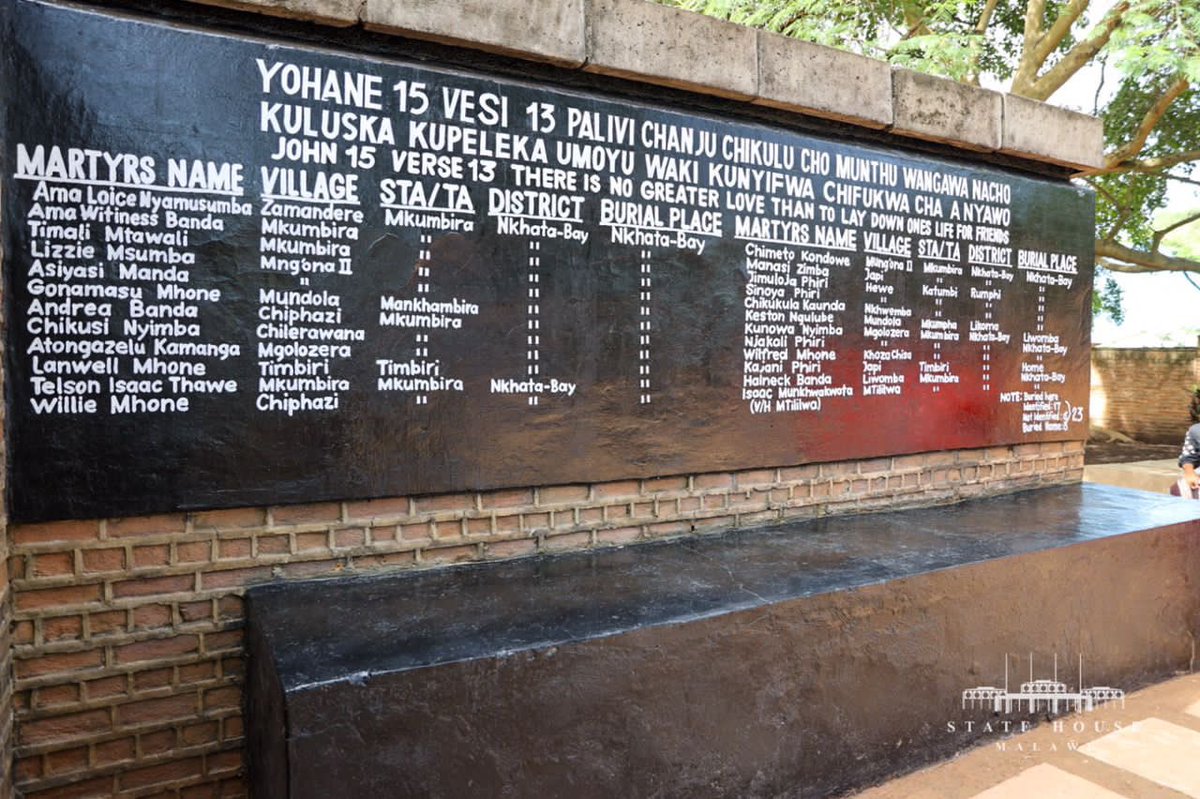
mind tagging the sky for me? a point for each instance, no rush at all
(1160, 311)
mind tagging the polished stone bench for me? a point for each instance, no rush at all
(803, 659)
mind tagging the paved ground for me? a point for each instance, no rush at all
(1146, 467)
(1154, 476)
(1124, 452)
(1147, 749)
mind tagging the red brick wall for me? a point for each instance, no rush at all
(127, 633)
(6, 685)
(1144, 393)
(5, 672)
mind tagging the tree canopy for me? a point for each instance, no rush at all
(1149, 52)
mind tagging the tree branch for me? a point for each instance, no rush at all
(981, 26)
(1152, 117)
(1052, 38)
(985, 16)
(1028, 66)
(1123, 210)
(1181, 179)
(1100, 188)
(1124, 215)
(1147, 165)
(1076, 58)
(1162, 233)
(914, 19)
(1120, 258)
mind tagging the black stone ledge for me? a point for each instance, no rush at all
(354, 629)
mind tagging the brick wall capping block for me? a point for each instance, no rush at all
(1049, 133)
(823, 81)
(540, 30)
(655, 44)
(522, 630)
(936, 109)
(338, 13)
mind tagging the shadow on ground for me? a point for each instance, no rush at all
(1122, 452)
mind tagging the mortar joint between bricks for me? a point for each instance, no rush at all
(102, 530)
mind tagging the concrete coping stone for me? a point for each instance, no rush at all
(937, 109)
(651, 43)
(1049, 133)
(338, 13)
(668, 46)
(823, 81)
(541, 30)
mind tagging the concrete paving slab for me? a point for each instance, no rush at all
(1155, 749)
(1154, 476)
(1047, 782)
(1061, 744)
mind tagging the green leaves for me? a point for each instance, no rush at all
(1158, 37)
(1107, 297)
(1151, 120)
(835, 23)
(950, 56)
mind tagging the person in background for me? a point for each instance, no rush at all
(1189, 458)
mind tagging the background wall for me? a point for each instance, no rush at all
(1144, 393)
(126, 634)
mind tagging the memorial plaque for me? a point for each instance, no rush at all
(244, 272)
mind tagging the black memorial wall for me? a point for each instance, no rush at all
(243, 272)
